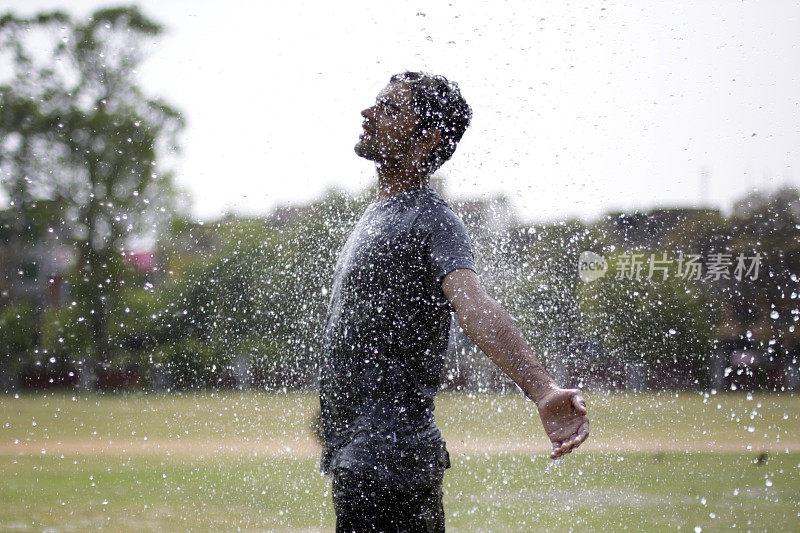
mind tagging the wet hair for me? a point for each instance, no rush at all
(438, 104)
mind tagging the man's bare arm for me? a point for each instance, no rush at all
(494, 331)
(563, 411)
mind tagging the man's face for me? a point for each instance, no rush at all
(389, 126)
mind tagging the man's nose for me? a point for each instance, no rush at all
(367, 113)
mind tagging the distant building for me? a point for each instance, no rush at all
(287, 214)
(647, 230)
(33, 261)
(144, 262)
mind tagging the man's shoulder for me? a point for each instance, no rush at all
(431, 197)
(435, 212)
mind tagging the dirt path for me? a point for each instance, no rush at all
(308, 448)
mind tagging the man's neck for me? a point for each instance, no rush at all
(393, 181)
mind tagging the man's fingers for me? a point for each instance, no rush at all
(555, 453)
(583, 431)
(558, 450)
(567, 445)
(580, 436)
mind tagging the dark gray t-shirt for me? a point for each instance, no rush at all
(387, 328)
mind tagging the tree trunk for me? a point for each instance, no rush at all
(97, 285)
(91, 269)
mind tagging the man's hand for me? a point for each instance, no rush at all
(563, 413)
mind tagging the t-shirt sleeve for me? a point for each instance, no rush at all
(448, 247)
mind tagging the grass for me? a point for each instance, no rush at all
(631, 421)
(608, 489)
(619, 419)
(601, 492)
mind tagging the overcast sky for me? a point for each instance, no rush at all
(579, 107)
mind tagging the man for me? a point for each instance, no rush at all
(406, 266)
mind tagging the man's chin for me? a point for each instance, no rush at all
(363, 151)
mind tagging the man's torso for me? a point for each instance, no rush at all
(387, 328)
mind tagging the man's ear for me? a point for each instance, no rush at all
(431, 138)
(426, 140)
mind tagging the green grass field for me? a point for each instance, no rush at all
(645, 467)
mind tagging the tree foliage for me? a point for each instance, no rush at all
(661, 325)
(76, 130)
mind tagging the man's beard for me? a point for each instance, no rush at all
(371, 153)
(363, 151)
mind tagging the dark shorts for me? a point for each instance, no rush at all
(365, 504)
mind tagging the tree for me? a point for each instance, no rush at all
(654, 326)
(763, 302)
(251, 297)
(76, 129)
(542, 297)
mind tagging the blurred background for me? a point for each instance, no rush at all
(177, 180)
